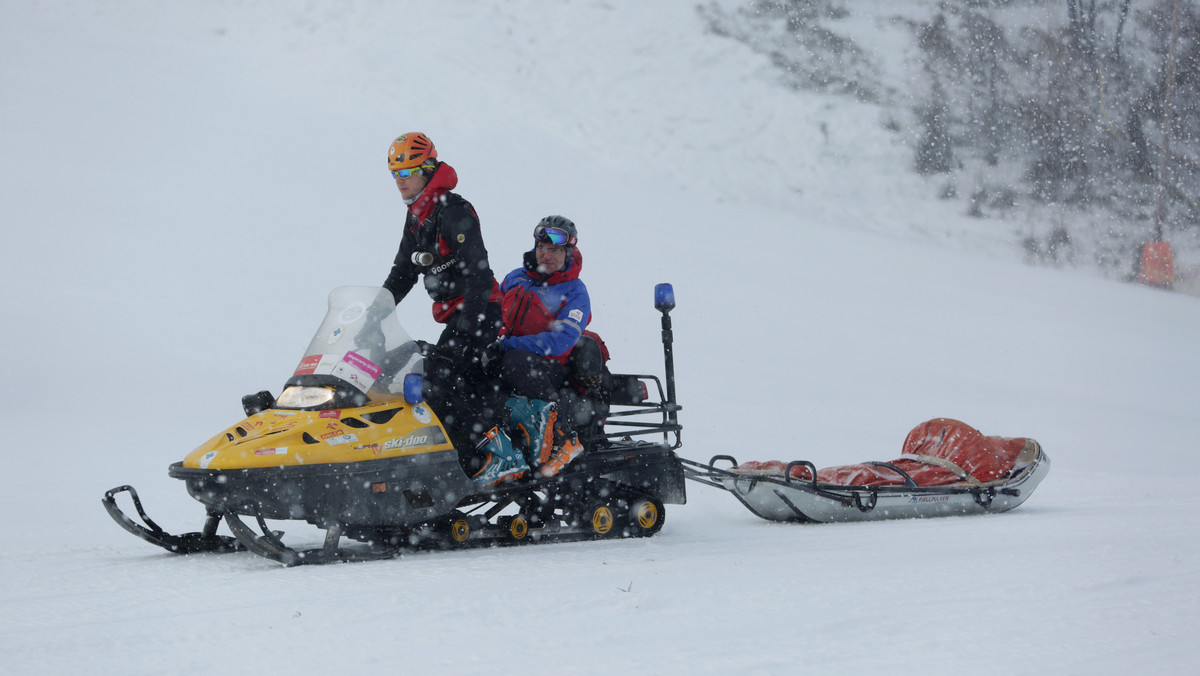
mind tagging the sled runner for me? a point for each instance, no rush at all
(948, 468)
(351, 447)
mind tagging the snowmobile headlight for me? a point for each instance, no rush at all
(304, 397)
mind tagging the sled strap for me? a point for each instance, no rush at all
(959, 472)
(908, 480)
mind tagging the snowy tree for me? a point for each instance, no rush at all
(1085, 103)
(935, 152)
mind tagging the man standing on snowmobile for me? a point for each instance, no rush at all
(546, 309)
(442, 242)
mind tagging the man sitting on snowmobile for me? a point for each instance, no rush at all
(443, 243)
(546, 309)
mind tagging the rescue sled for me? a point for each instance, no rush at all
(350, 447)
(948, 468)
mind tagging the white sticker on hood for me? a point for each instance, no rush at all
(352, 312)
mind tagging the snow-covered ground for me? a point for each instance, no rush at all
(181, 184)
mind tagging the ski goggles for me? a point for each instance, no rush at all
(406, 173)
(555, 236)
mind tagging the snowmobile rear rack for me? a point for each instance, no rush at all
(621, 425)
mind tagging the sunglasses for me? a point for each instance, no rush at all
(552, 235)
(405, 173)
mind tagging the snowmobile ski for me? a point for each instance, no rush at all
(206, 540)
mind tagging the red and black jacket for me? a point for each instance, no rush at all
(460, 280)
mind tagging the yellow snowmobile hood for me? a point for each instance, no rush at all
(285, 438)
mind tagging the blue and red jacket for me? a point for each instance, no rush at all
(545, 313)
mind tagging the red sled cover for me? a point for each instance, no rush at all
(937, 452)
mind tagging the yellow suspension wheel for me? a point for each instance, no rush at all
(645, 517)
(458, 529)
(515, 527)
(602, 520)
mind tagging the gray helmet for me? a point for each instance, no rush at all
(557, 230)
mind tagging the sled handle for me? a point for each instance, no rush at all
(732, 461)
(812, 469)
(865, 507)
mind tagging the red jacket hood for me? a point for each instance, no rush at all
(444, 180)
(574, 266)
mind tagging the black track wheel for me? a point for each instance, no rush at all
(516, 527)
(458, 529)
(600, 520)
(646, 516)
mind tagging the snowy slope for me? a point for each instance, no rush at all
(183, 183)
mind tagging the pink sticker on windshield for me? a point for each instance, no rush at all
(362, 363)
(357, 370)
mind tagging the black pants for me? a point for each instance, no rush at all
(529, 375)
(465, 399)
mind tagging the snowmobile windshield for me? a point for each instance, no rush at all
(359, 354)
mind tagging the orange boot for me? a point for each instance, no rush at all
(566, 449)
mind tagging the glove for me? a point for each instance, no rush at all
(491, 356)
(464, 323)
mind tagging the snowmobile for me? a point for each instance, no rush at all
(351, 447)
(947, 468)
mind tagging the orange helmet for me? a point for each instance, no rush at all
(410, 151)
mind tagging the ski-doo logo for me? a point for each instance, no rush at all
(410, 440)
